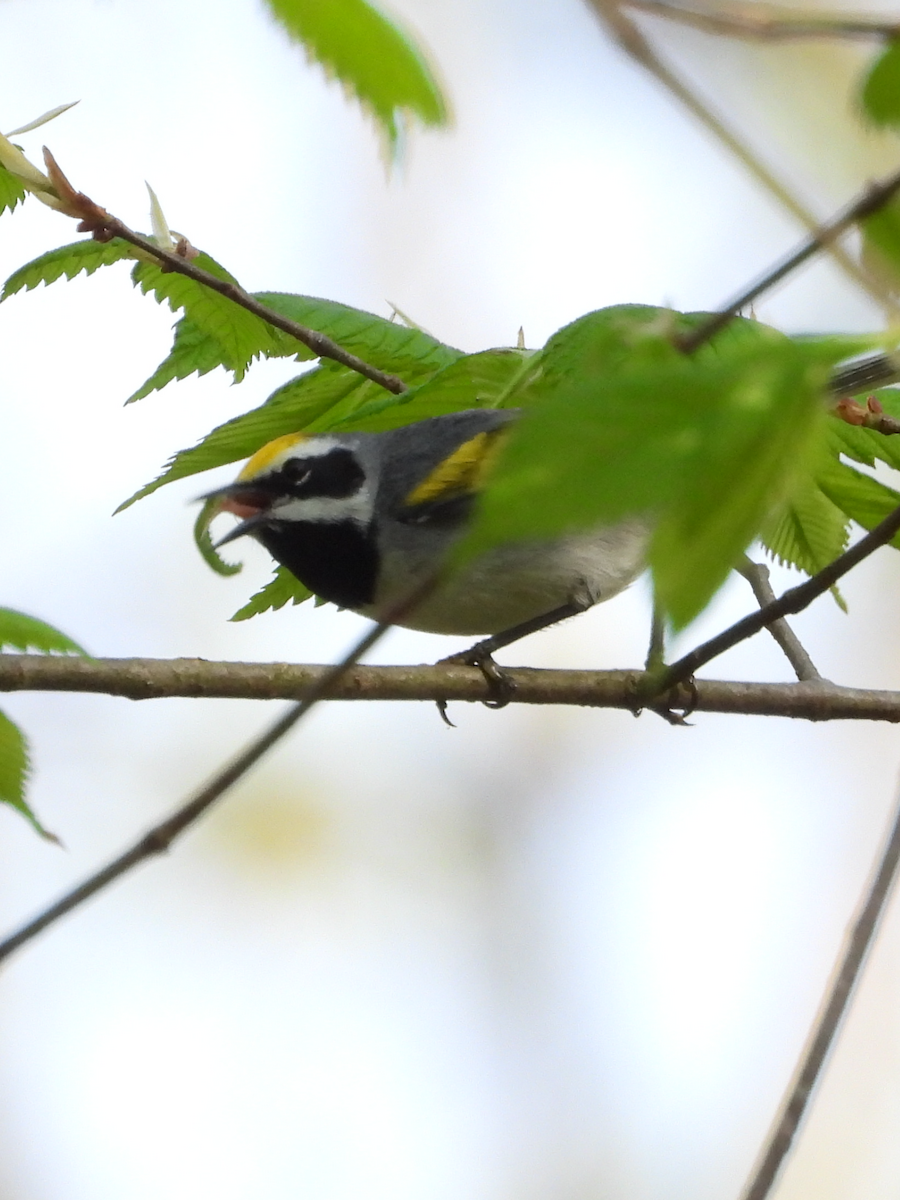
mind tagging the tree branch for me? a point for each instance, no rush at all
(161, 836)
(827, 1024)
(869, 201)
(768, 22)
(103, 226)
(148, 678)
(757, 575)
(793, 601)
(320, 345)
(626, 33)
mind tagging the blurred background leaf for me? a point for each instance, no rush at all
(382, 67)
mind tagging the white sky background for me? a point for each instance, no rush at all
(549, 954)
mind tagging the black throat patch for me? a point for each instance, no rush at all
(336, 560)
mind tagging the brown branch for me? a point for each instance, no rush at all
(626, 33)
(103, 226)
(790, 602)
(757, 575)
(875, 370)
(869, 201)
(320, 345)
(766, 22)
(161, 836)
(870, 415)
(827, 1024)
(148, 678)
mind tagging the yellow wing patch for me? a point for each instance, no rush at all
(465, 470)
(267, 453)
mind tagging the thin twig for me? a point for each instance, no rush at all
(160, 837)
(103, 226)
(656, 650)
(874, 370)
(790, 602)
(827, 1024)
(148, 678)
(757, 575)
(869, 201)
(626, 33)
(320, 345)
(767, 22)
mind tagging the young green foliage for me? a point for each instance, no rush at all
(880, 96)
(881, 245)
(12, 192)
(370, 56)
(320, 398)
(21, 632)
(240, 335)
(377, 340)
(14, 768)
(193, 352)
(283, 589)
(65, 262)
(18, 631)
(483, 380)
(620, 422)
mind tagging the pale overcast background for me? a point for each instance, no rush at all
(548, 955)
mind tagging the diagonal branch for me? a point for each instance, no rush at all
(626, 33)
(103, 226)
(827, 1024)
(757, 575)
(768, 22)
(790, 602)
(320, 345)
(874, 197)
(161, 836)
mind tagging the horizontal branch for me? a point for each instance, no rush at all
(150, 678)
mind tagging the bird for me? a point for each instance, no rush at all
(368, 521)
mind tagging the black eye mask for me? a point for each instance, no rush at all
(335, 475)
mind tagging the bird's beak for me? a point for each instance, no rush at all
(243, 499)
(245, 527)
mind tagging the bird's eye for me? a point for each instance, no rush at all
(297, 471)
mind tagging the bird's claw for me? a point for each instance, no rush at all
(500, 686)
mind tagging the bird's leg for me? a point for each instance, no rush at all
(481, 654)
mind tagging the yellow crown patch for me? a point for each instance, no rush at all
(270, 451)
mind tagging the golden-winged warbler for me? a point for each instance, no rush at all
(366, 520)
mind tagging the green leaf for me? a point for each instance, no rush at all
(67, 261)
(283, 589)
(12, 192)
(320, 399)
(289, 409)
(621, 423)
(809, 531)
(382, 343)
(358, 45)
(880, 95)
(240, 335)
(22, 632)
(204, 542)
(863, 499)
(484, 380)
(881, 245)
(408, 352)
(14, 770)
(193, 352)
